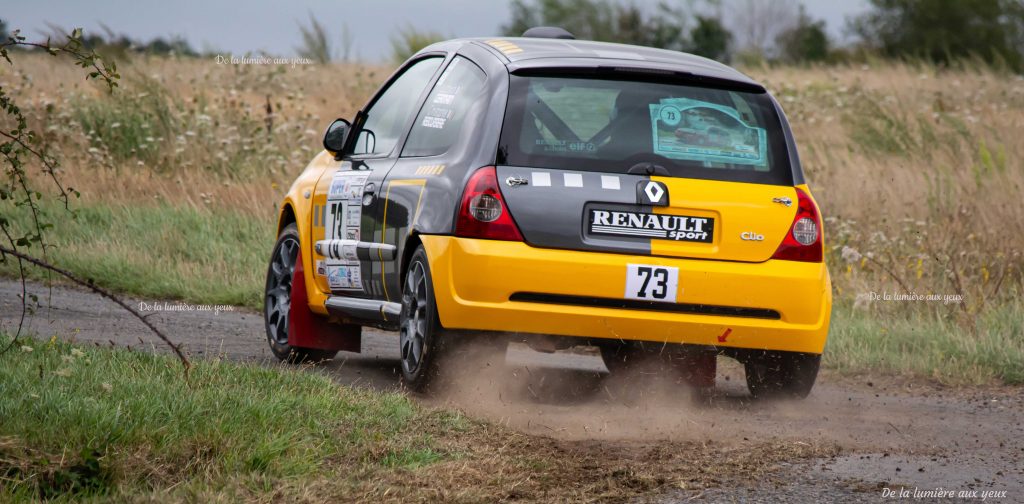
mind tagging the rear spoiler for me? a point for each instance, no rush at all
(634, 70)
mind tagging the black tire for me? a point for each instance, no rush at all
(277, 301)
(781, 375)
(621, 356)
(421, 338)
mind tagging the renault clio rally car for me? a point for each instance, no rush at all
(562, 192)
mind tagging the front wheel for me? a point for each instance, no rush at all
(781, 374)
(278, 301)
(421, 339)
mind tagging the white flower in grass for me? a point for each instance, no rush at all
(26, 349)
(115, 125)
(850, 254)
(77, 353)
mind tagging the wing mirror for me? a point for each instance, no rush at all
(334, 138)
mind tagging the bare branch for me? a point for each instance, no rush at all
(105, 293)
(24, 295)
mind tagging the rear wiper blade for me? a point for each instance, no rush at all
(646, 168)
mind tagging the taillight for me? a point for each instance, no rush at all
(803, 241)
(483, 212)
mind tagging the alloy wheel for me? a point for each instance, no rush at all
(279, 289)
(413, 332)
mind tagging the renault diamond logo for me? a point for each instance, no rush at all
(654, 191)
(650, 192)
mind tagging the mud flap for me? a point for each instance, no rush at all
(699, 369)
(309, 330)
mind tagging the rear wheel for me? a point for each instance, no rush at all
(421, 338)
(278, 301)
(781, 374)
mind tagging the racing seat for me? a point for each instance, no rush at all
(629, 130)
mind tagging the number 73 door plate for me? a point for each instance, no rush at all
(652, 283)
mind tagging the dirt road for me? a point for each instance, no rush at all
(882, 432)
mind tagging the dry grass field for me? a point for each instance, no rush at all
(918, 171)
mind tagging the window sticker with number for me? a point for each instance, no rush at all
(695, 130)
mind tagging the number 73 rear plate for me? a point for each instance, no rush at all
(652, 283)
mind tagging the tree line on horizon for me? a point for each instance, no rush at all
(754, 31)
(741, 31)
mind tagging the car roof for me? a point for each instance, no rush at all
(521, 52)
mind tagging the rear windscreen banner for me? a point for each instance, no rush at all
(695, 130)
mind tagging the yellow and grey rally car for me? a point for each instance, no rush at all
(561, 192)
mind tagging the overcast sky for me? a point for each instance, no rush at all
(272, 26)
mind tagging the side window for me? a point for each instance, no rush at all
(387, 118)
(447, 107)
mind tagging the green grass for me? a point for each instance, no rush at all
(89, 424)
(924, 344)
(84, 421)
(161, 251)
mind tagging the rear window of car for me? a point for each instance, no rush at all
(613, 125)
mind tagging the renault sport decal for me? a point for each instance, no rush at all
(649, 225)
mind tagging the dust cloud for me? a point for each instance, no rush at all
(569, 394)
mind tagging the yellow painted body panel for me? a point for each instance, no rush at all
(737, 208)
(473, 280)
(300, 199)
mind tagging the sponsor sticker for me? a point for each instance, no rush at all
(433, 122)
(444, 98)
(344, 277)
(347, 185)
(348, 251)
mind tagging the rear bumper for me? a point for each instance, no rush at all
(474, 281)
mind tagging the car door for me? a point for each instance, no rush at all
(347, 255)
(444, 123)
